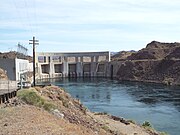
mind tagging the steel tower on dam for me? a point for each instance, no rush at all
(79, 64)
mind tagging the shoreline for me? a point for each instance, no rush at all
(73, 111)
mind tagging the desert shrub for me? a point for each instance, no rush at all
(48, 106)
(33, 98)
(132, 121)
(147, 124)
(163, 133)
(106, 128)
(64, 101)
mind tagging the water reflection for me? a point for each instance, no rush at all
(85, 92)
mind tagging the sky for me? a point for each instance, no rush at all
(88, 25)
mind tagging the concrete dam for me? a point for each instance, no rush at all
(81, 64)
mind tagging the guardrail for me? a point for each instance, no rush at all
(8, 89)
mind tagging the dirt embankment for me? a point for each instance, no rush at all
(158, 62)
(50, 110)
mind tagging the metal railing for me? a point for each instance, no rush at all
(7, 90)
(8, 85)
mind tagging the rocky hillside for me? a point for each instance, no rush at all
(158, 62)
(3, 75)
(155, 50)
(13, 55)
(122, 55)
(50, 110)
(162, 71)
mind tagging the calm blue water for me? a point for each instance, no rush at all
(138, 101)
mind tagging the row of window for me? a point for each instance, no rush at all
(43, 59)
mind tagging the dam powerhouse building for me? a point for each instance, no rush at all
(81, 64)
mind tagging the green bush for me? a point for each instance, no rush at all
(147, 124)
(106, 128)
(33, 98)
(49, 106)
(163, 133)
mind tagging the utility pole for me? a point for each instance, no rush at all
(34, 42)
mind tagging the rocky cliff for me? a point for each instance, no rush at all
(13, 55)
(155, 50)
(158, 62)
(122, 55)
(3, 75)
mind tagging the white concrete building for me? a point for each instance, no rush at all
(81, 64)
(14, 67)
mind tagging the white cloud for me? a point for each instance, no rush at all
(94, 23)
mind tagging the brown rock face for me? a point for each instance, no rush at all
(3, 75)
(13, 55)
(122, 55)
(162, 71)
(158, 62)
(155, 50)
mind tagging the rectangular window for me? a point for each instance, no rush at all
(40, 59)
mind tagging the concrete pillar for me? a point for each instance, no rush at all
(79, 67)
(92, 58)
(51, 70)
(93, 69)
(39, 70)
(107, 69)
(108, 57)
(76, 59)
(81, 59)
(51, 67)
(97, 57)
(60, 59)
(65, 59)
(65, 67)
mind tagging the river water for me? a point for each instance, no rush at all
(158, 104)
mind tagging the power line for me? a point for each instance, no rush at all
(27, 19)
(20, 17)
(28, 16)
(35, 16)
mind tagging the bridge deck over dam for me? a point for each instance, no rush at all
(81, 64)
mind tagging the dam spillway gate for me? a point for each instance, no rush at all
(82, 64)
